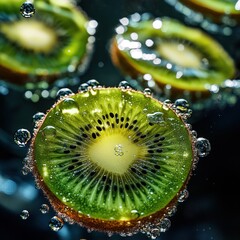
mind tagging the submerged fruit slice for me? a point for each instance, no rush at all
(113, 159)
(171, 54)
(51, 43)
(216, 9)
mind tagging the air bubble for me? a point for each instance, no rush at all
(155, 232)
(24, 214)
(147, 91)
(118, 149)
(21, 137)
(183, 195)
(44, 208)
(49, 132)
(56, 223)
(93, 83)
(164, 225)
(63, 92)
(27, 9)
(203, 147)
(182, 105)
(124, 85)
(37, 117)
(69, 106)
(156, 117)
(83, 87)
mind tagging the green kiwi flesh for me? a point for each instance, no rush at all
(173, 54)
(109, 158)
(43, 47)
(215, 9)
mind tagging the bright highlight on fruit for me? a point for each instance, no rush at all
(115, 159)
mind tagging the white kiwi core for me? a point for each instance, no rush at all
(115, 153)
(180, 54)
(31, 35)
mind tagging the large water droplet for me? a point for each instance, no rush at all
(156, 117)
(56, 223)
(44, 208)
(63, 92)
(182, 105)
(21, 137)
(24, 214)
(203, 147)
(27, 9)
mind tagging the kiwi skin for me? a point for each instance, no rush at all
(215, 14)
(20, 77)
(108, 226)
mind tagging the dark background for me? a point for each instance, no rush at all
(212, 210)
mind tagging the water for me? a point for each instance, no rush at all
(21, 137)
(182, 105)
(27, 9)
(56, 223)
(38, 117)
(83, 87)
(124, 85)
(183, 195)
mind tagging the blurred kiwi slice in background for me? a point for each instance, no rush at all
(165, 54)
(115, 159)
(52, 43)
(215, 10)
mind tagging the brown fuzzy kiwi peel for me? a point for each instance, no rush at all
(94, 223)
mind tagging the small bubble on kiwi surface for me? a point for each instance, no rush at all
(105, 159)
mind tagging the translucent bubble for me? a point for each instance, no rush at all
(164, 225)
(49, 132)
(24, 214)
(172, 211)
(182, 105)
(69, 106)
(183, 195)
(27, 9)
(63, 92)
(156, 117)
(124, 85)
(56, 223)
(83, 87)
(155, 232)
(118, 149)
(25, 170)
(44, 208)
(203, 147)
(147, 91)
(37, 117)
(93, 83)
(21, 137)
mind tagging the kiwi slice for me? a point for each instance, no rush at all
(216, 9)
(172, 54)
(113, 159)
(50, 44)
